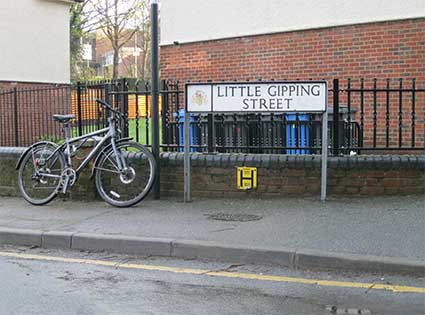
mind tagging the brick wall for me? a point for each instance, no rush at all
(377, 50)
(214, 175)
(291, 175)
(389, 49)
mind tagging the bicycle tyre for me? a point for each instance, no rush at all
(125, 190)
(37, 152)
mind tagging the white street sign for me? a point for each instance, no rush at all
(309, 96)
(258, 97)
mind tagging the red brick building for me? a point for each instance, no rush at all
(393, 49)
(278, 40)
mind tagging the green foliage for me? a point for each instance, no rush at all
(80, 70)
(76, 35)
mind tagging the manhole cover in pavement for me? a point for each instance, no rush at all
(234, 217)
(347, 311)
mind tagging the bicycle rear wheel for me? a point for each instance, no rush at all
(40, 173)
(124, 189)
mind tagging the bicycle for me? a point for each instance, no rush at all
(124, 170)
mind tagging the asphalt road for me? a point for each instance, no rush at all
(86, 283)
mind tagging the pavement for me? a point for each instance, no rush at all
(382, 234)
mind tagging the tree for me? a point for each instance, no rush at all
(81, 20)
(117, 19)
(144, 23)
(76, 35)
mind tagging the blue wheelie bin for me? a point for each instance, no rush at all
(193, 131)
(301, 132)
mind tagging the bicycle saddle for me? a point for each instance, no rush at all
(63, 118)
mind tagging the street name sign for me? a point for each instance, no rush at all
(297, 96)
(256, 97)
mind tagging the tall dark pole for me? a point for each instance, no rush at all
(155, 93)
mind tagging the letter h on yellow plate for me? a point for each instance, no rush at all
(246, 178)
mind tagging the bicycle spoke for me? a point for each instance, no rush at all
(107, 170)
(112, 162)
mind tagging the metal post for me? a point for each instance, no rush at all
(335, 139)
(124, 88)
(80, 118)
(324, 154)
(210, 139)
(186, 140)
(15, 113)
(155, 93)
(164, 105)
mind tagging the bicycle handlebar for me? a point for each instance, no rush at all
(106, 105)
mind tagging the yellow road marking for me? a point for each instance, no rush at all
(223, 274)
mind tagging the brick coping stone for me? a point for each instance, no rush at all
(276, 160)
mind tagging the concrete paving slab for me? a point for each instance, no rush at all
(382, 227)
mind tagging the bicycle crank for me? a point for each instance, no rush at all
(68, 178)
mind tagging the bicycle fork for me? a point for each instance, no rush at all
(121, 162)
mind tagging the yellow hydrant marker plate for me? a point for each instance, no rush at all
(247, 178)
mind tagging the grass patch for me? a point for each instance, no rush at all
(137, 131)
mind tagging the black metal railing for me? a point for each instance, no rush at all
(26, 114)
(386, 113)
(364, 116)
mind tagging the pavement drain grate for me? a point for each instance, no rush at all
(347, 311)
(234, 217)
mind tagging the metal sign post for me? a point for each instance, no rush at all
(324, 155)
(155, 95)
(186, 161)
(256, 97)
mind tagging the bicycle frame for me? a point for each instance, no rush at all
(66, 147)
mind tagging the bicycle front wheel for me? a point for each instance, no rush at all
(40, 173)
(133, 183)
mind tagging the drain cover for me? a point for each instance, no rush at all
(234, 217)
(347, 311)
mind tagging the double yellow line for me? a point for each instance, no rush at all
(223, 274)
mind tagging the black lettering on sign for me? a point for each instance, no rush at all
(218, 92)
(250, 92)
(288, 101)
(241, 89)
(315, 90)
(292, 89)
(305, 89)
(250, 178)
(257, 90)
(279, 103)
(272, 90)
